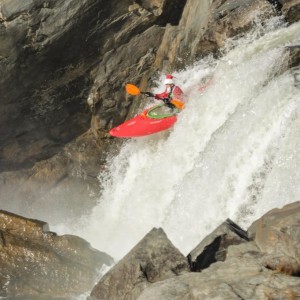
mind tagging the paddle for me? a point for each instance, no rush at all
(134, 91)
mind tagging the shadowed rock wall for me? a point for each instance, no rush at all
(50, 53)
(63, 67)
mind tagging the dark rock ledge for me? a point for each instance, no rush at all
(230, 263)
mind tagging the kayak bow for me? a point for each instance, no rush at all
(150, 121)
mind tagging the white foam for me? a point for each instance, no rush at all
(234, 152)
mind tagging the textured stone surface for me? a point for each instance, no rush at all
(35, 262)
(50, 56)
(262, 268)
(63, 67)
(278, 232)
(214, 247)
(243, 275)
(153, 259)
(204, 28)
(242, 278)
(45, 84)
(291, 10)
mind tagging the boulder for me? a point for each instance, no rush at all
(214, 247)
(241, 276)
(153, 259)
(38, 263)
(249, 270)
(277, 233)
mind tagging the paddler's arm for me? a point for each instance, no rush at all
(148, 94)
(161, 96)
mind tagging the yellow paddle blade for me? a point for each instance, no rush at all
(179, 104)
(132, 89)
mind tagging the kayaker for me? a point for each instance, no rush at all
(171, 92)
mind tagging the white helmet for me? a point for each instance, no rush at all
(169, 79)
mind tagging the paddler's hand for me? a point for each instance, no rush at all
(166, 100)
(148, 94)
(168, 103)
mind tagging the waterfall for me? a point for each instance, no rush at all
(233, 153)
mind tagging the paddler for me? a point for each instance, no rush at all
(171, 92)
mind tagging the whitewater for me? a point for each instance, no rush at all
(233, 153)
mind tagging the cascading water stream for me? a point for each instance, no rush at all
(234, 152)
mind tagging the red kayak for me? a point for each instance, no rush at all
(152, 120)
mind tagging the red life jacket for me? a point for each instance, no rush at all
(175, 93)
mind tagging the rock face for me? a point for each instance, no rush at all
(44, 86)
(152, 260)
(263, 265)
(35, 262)
(50, 55)
(277, 233)
(64, 65)
(204, 28)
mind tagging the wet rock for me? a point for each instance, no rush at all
(241, 276)
(291, 10)
(153, 259)
(204, 28)
(38, 263)
(249, 270)
(294, 55)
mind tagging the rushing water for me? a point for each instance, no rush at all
(234, 152)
